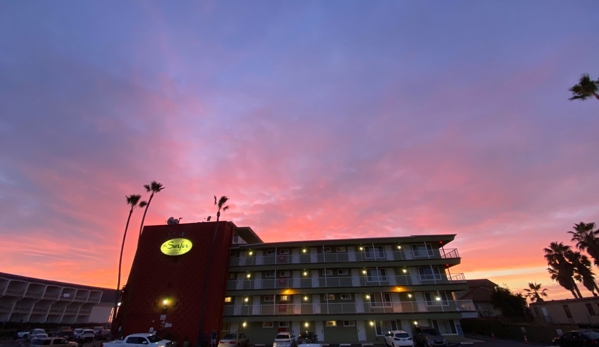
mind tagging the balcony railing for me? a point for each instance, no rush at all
(343, 281)
(358, 256)
(285, 309)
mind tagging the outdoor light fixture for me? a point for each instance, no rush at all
(250, 252)
(245, 299)
(305, 273)
(367, 296)
(248, 275)
(165, 302)
(244, 324)
(404, 270)
(305, 298)
(438, 298)
(371, 323)
(364, 272)
(409, 295)
(398, 246)
(307, 324)
(415, 322)
(361, 248)
(119, 304)
(304, 250)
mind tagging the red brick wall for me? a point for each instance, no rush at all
(155, 276)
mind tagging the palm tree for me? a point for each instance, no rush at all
(583, 272)
(133, 201)
(534, 292)
(220, 203)
(560, 269)
(153, 187)
(586, 239)
(585, 89)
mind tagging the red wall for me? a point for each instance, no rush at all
(155, 276)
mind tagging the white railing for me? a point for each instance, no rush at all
(343, 281)
(285, 309)
(359, 256)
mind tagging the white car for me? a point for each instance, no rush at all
(52, 341)
(397, 338)
(284, 339)
(234, 340)
(38, 333)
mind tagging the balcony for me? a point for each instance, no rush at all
(285, 309)
(344, 281)
(365, 255)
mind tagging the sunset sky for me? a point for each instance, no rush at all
(318, 119)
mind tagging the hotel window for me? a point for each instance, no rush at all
(429, 273)
(422, 251)
(228, 299)
(342, 272)
(284, 274)
(380, 300)
(382, 327)
(444, 326)
(284, 298)
(590, 309)
(349, 323)
(269, 274)
(327, 249)
(346, 296)
(226, 327)
(270, 252)
(269, 298)
(284, 251)
(434, 299)
(232, 276)
(376, 275)
(328, 272)
(268, 325)
(283, 324)
(341, 249)
(331, 323)
(567, 310)
(374, 252)
(328, 297)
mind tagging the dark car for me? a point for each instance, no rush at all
(307, 337)
(578, 338)
(432, 337)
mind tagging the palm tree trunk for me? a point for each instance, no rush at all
(577, 290)
(143, 218)
(118, 283)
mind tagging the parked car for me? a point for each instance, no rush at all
(100, 333)
(432, 337)
(235, 339)
(87, 335)
(577, 338)
(77, 332)
(307, 337)
(398, 338)
(284, 339)
(40, 333)
(136, 340)
(52, 341)
(65, 332)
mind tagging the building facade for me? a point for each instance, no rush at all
(581, 312)
(27, 299)
(345, 291)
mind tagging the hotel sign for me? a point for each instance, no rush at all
(176, 247)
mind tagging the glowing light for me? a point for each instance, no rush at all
(250, 252)
(367, 297)
(119, 304)
(244, 324)
(304, 250)
(245, 299)
(361, 248)
(438, 298)
(248, 275)
(409, 295)
(305, 298)
(398, 247)
(404, 270)
(306, 324)
(305, 273)
(371, 323)
(165, 302)
(364, 272)
(415, 322)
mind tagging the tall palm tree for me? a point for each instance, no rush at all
(560, 269)
(586, 238)
(582, 271)
(534, 292)
(585, 89)
(220, 203)
(153, 187)
(132, 201)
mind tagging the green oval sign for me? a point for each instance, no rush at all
(176, 246)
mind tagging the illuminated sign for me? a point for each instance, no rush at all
(176, 246)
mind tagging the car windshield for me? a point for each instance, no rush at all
(282, 336)
(402, 335)
(432, 332)
(591, 334)
(230, 337)
(154, 338)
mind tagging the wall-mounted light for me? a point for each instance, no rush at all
(404, 270)
(367, 296)
(305, 273)
(250, 252)
(306, 324)
(244, 324)
(438, 298)
(398, 247)
(361, 248)
(364, 272)
(304, 250)
(415, 322)
(245, 299)
(248, 275)
(371, 323)
(165, 302)
(119, 304)
(305, 298)
(409, 295)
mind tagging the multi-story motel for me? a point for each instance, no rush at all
(345, 291)
(33, 300)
